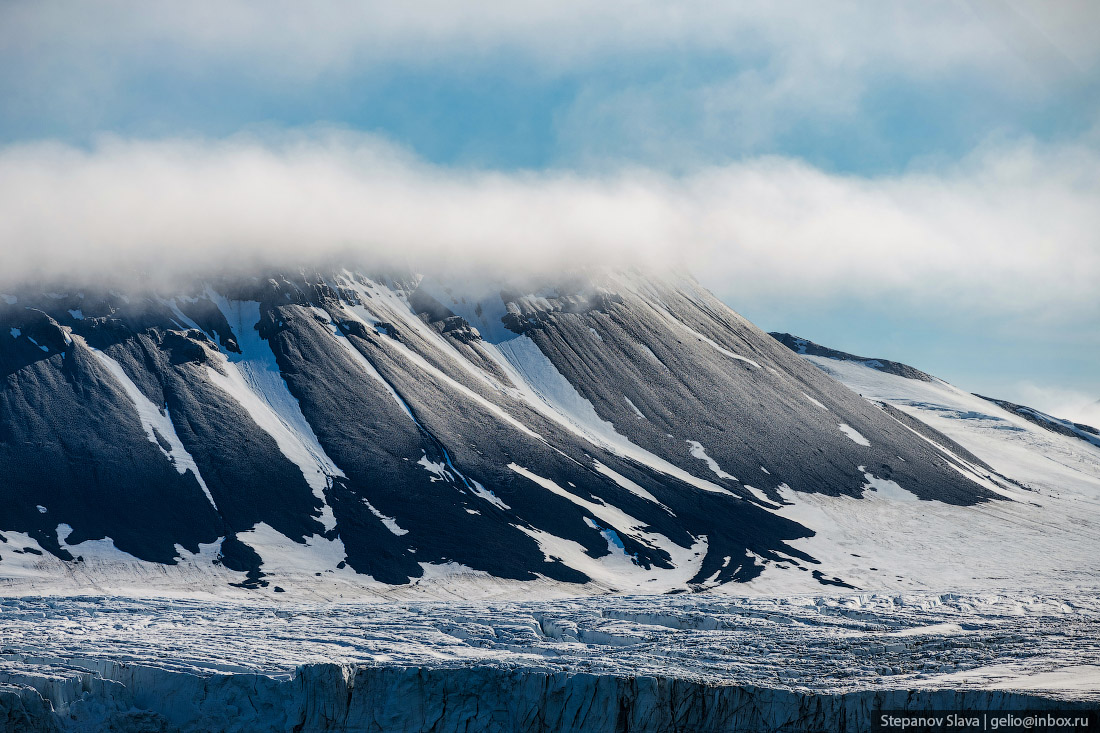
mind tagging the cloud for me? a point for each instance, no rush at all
(1012, 230)
(328, 34)
(762, 68)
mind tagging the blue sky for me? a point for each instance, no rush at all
(913, 182)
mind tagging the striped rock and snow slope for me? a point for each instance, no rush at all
(343, 433)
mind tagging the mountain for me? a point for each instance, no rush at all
(1031, 539)
(880, 541)
(345, 432)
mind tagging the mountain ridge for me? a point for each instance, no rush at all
(1055, 424)
(338, 431)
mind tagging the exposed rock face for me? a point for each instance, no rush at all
(328, 697)
(625, 432)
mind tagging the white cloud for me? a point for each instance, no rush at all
(1011, 230)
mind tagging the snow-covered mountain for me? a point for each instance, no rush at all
(1037, 536)
(342, 433)
(805, 347)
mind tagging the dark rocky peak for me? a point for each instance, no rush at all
(191, 346)
(532, 311)
(457, 327)
(440, 317)
(207, 316)
(27, 337)
(41, 330)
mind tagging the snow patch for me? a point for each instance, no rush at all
(608, 513)
(815, 402)
(629, 485)
(760, 495)
(697, 451)
(362, 361)
(653, 356)
(488, 496)
(614, 542)
(447, 571)
(887, 489)
(284, 557)
(544, 388)
(854, 435)
(683, 559)
(662, 309)
(182, 320)
(401, 311)
(390, 522)
(438, 470)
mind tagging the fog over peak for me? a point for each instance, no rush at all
(191, 206)
(1009, 229)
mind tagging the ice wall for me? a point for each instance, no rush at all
(88, 695)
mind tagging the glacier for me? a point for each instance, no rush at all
(699, 663)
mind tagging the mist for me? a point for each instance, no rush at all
(199, 207)
(1010, 229)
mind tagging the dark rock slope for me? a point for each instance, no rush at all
(624, 430)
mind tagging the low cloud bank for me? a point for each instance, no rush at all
(1013, 228)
